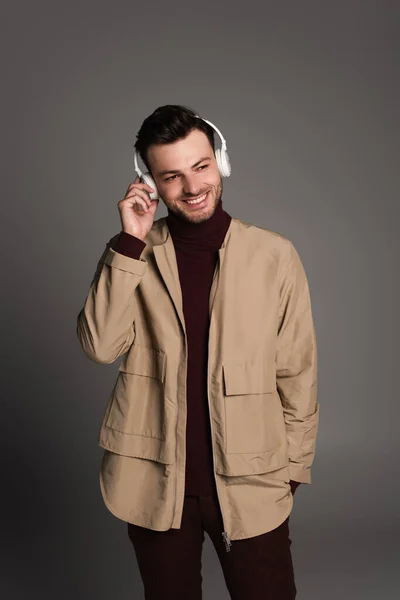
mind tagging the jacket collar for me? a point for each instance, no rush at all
(160, 233)
(165, 257)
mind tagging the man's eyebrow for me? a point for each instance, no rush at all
(195, 165)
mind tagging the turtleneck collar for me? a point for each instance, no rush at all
(207, 235)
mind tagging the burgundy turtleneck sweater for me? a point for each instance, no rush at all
(196, 248)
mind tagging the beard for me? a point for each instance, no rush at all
(214, 196)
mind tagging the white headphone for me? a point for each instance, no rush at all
(221, 156)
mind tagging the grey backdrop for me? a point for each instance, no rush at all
(307, 96)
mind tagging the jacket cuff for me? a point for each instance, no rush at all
(129, 245)
(125, 263)
(299, 473)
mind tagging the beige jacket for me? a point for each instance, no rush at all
(262, 379)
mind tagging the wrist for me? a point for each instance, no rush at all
(135, 235)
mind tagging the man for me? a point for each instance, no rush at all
(212, 422)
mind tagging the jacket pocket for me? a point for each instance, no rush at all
(138, 404)
(253, 412)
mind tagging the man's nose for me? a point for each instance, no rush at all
(191, 186)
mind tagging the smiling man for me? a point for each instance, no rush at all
(212, 422)
(191, 187)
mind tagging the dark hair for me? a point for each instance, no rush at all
(168, 124)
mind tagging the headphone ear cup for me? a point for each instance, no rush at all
(147, 178)
(223, 162)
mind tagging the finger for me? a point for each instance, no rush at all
(142, 194)
(141, 183)
(140, 201)
(144, 186)
(130, 186)
(140, 186)
(133, 200)
(135, 189)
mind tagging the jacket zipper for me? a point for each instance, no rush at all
(224, 534)
(227, 541)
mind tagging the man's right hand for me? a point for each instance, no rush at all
(137, 209)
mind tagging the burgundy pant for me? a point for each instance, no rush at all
(257, 568)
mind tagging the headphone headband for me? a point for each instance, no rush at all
(216, 129)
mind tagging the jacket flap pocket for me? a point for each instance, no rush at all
(137, 446)
(274, 460)
(141, 360)
(256, 377)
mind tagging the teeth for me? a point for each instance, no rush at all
(198, 199)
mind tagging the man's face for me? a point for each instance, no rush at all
(185, 170)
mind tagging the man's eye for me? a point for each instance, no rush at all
(173, 176)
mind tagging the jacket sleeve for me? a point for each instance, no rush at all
(106, 323)
(296, 365)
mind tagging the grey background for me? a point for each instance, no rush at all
(307, 97)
